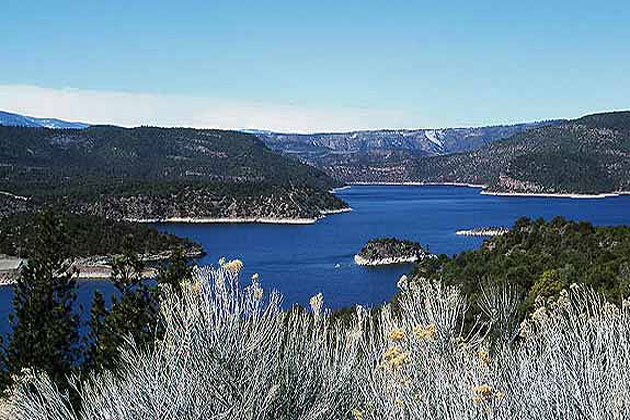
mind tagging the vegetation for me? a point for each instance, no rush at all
(586, 155)
(384, 155)
(390, 249)
(133, 313)
(46, 327)
(540, 259)
(205, 346)
(89, 236)
(230, 352)
(150, 172)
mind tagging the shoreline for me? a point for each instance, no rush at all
(421, 184)
(498, 193)
(227, 220)
(16, 197)
(359, 260)
(336, 211)
(334, 190)
(243, 220)
(82, 276)
(95, 267)
(577, 196)
(486, 232)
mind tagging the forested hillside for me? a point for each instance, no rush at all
(90, 236)
(587, 155)
(156, 173)
(540, 259)
(385, 155)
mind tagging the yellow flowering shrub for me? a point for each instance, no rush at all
(424, 333)
(397, 335)
(233, 265)
(394, 357)
(484, 357)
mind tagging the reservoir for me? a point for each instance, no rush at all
(302, 260)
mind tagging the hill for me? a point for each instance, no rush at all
(587, 155)
(156, 173)
(384, 155)
(541, 258)
(17, 120)
(91, 236)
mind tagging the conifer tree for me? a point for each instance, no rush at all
(133, 314)
(176, 272)
(95, 343)
(45, 334)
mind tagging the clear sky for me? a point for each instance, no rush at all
(314, 65)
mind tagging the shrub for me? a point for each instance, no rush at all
(229, 352)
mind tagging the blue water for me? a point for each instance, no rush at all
(302, 260)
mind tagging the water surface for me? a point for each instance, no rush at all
(302, 260)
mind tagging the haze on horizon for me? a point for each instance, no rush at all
(313, 67)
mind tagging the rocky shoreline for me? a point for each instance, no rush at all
(483, 231)
(359, 260)
(485, 191)
(421, 184)
(388, 251)
(556, 195)
(238, 220)
(98, 267)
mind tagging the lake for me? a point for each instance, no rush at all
(302, 260)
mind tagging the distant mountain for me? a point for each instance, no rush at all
(384, 155)
(156, 173)
(587, 155)
(16, 120)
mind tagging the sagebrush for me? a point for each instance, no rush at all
(231, 352)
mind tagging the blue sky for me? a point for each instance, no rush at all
(314, 66)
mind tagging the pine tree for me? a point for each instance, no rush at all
(134, 313)
(176, 272)
(45, 334)
(96, 350)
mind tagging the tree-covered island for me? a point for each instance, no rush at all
(385, 251)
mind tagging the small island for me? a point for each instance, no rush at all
(385, 251)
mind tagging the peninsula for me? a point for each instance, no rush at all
(92, 243)
(158, 174)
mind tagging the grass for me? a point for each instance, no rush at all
(230, 352)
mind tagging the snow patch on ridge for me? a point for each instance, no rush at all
(431, 135)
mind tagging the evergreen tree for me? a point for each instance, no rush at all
(176, 272)
(95, 343)
(133, 314)
(45, 333)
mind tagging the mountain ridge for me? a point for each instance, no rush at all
(18, 120)
(385, 155)
(588, 155)
(150, 173)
